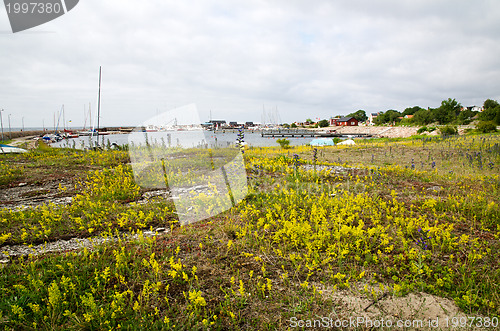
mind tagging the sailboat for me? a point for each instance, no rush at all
(67, 132)
(56, 136)
(86, 132)
(95, 132)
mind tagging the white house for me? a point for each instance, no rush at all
(475, 108)
(371, 118)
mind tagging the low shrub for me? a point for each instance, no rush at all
(422, 130)
(448, 130)
(284, 143)
(486, 126)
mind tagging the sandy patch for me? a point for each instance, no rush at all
(369, 305)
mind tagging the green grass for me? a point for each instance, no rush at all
(297, 236)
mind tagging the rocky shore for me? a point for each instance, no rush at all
(386, 131)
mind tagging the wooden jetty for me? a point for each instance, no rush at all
(309, 133)
(287, 133)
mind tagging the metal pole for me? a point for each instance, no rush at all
(1, 121)
(10, 132)
(23, 123)
(99, 101)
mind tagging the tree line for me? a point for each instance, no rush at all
(449, 112)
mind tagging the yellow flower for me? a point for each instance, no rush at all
(242, 288)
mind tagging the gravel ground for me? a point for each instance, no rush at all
(8, 252)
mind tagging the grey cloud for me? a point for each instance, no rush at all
(321, 57)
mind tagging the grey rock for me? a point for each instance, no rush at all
(6, 252)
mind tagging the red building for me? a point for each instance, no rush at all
(345, 121)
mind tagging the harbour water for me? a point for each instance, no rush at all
(185, 139)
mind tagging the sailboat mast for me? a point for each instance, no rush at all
(84, 117)
(99, 101)
(91, 125)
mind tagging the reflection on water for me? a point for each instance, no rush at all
(186, 139)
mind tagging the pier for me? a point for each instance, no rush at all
(309, 133)
(288, 133)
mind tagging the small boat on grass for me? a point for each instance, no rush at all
(322, 142)
(6, 149)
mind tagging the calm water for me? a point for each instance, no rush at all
(183, 138)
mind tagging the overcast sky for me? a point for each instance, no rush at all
(307, 59)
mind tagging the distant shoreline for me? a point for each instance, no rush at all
(374, 131)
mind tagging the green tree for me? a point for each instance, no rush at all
(488, 103)
(491, 113)
(360, 115)
(465, 116)
(411, 110)
(323, 123)
(293, 125)
(422, 117)
(390, 116)
(447, 112)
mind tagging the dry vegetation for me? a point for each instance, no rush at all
(335, 232)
